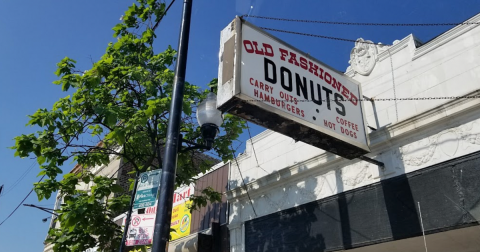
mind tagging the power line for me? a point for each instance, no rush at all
(9, 189)
(154, 27)
(360, 23)
(387, 99)
(163, 14)
(318, 36)
(253, 147)
(14, 210)
(243, 181)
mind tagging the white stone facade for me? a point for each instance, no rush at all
(410, 134)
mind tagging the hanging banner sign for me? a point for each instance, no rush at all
(268, 82)
(181, 216)
(181, 220)
(147, 189)
(141, 228)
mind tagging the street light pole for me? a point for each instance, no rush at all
(167, 183)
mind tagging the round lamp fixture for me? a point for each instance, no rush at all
(209, 118)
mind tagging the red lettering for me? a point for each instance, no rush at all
(313, 68)
(247, 44)
(268, 50)
(303, 63)
(328, 78)
(345, 92)
(293, 59)
(353, 99)
(260, 52)
(283, 53)
(337, 85)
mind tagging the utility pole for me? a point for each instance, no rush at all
(164, 207)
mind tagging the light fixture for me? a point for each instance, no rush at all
(209, 118)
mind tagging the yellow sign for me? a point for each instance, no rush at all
(181, 220)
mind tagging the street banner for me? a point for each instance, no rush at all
(181, 216)
(147, 189)
(141, 228)
(181, 220)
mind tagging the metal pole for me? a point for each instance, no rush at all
(48, 210)
(129, 214)
(167, 183)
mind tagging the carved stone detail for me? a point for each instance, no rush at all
(356, 174)
(422, 151)
(296, 194)
(363, 56)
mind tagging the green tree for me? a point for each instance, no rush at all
(122, 106)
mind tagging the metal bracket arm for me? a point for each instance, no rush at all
(372, 161)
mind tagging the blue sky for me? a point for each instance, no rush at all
(35, 35)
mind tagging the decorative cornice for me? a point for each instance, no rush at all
(446, 37)
(413, 124)
(390, 50)
(302, 169)
(422, 49)
(379, 140)
(254, 139)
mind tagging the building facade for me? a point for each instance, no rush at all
(207, 230)
(421, 103)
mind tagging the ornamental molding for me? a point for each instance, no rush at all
(447, 37)
(363, 56)
(436, 117)
(310, 167)
(445, 143)
(385, 51)
(356, 174)
(420, 48)
(385, 137)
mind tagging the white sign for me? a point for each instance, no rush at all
(283, 89)
(182, 195)
(140, 230)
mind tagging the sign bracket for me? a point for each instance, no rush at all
(372, 161)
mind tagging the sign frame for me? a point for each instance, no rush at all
(230, 99)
